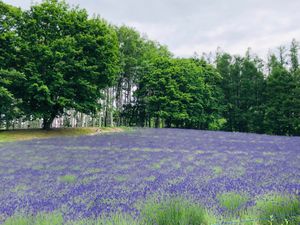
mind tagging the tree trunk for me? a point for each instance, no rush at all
(47, 124)
(157, 122)
(20, 123)
(100, 122)
(82, 119)
(47, 121)
(93, 121)
(7, 124)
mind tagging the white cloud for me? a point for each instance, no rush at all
(189, 26)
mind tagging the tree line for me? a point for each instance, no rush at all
(56, 59)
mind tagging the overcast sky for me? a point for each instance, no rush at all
(188, 26)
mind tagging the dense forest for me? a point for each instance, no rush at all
(57, 62)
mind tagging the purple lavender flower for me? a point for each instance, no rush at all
(91, 175)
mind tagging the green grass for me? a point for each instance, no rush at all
(40, 219)
(234, 203)
(172, 211)
(57, 219)
(20, 188)
(117, 219)
(68, 179)
(270, 209)
(156, 166)
(217, 170)
(150, 178)
(121, 178)
(29, 134)
(276, 209)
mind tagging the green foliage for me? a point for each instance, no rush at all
(54, 58)
(10, 83)
(137, 112)
(131, 58)
(234, 203)
(270, 209)
(10, 79)
(175, 211)
(39, 219)
(276, 209)
(150, 178)
(177, 93)
(256, 103)
(67, 59)
(121, 178)
(217, 124)
(217, 170)
(9, 40)
(57, 219)
(294, 56)
(68, 179)
(280, 113)
(116, 219)
(243, 85)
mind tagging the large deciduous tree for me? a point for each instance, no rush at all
(67, 59)
(10, 79)
(180, 93)
(10, 83)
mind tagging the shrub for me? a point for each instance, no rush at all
(39, 219)
(233, 203)
(217, 124)
(117, 219)
(68, 179)
(277, 209)
(57, 219)
(172, 211)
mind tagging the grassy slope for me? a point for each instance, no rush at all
(28, 134)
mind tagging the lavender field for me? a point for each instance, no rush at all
(87, 176)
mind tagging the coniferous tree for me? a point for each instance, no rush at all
(279, 102)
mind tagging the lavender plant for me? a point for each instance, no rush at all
(86, 177)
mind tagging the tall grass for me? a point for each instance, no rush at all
(277, 209)
(57, 219)
(172, 211)
(233, 203)
(117, 219)
(270, 209)
(68, 178)
(39, 219)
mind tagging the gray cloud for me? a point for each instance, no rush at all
(189, 26)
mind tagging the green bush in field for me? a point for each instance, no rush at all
(117, 219)
(277, 209)
(57, 219)
(39, 219)
(68, 179)
(172, 211)
(234, 203)
(270, 209)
